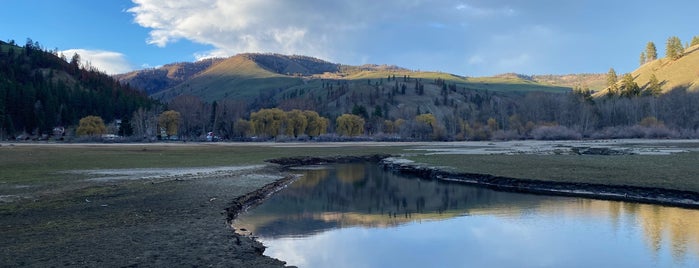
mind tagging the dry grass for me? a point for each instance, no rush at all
(676, 171)
(43, 163)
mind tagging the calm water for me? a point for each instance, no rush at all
(360, 216)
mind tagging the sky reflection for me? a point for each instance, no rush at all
(484, 229)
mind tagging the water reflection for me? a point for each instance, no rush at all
(338, 216)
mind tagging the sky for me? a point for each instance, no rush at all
(463, 37)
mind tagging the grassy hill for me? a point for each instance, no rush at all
(595, 82)
(236, 77)
(672, 74)
(680, 73)
(275, 76)
(155, 80)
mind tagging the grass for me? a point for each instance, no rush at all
(677, 171)
(44, 165)
(36, 164)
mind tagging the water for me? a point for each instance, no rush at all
(358, 215)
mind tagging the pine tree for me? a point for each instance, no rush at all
(651, 52)
(674, 48)
(653, 88)
(611, 82)
(629, 88)
(643, 59)
(695, 41)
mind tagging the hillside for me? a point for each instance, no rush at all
(682, 73)
(250, 76)
(239, 77)
(156, 79)
(595, 82)
(40, 90)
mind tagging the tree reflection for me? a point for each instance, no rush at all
(365, 195)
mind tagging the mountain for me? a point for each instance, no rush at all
(40, 90)
(249, 76)
(156, 79)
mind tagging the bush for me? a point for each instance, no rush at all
(555, 133)
(509, 135)
(657, 131)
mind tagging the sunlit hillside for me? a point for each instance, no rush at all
(682, 73)
(272, 76)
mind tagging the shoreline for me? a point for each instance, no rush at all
(646, 195)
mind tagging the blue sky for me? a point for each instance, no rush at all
(464, 37)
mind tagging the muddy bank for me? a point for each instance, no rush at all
(647, 195)
(312, 160)
(173, 221)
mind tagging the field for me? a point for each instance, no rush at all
(162, 204)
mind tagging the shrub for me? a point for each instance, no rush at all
(555, 133)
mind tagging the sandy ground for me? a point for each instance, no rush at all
(136, 218)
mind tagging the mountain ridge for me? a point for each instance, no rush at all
(247, 75)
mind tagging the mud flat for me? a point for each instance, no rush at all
(175, 219)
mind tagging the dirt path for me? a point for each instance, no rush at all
(176, 220)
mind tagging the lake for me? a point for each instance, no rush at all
(358, 215)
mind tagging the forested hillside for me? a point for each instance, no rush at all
(39, 91)
(272, 96)
(249, 96)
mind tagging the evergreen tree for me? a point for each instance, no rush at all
(674, 48)
(653, 88)
(611, 82)
(629, 88)
(643, 59)
(695, 41)
(126, 129)
(651, 52)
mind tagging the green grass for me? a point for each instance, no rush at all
(678, 171)
(44, 165)
(37, 164)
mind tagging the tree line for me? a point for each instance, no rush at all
(41, 90)
(673, 49)
(339, 109)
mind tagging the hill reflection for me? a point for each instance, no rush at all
(365, 195)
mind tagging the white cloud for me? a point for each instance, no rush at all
(107, 61)
(454, 35)
(484, 12)
(323, 29)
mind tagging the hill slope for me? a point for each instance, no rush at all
(682, 73)
(154, 80)
(251, 76)
(40, 91)
(236, 77)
